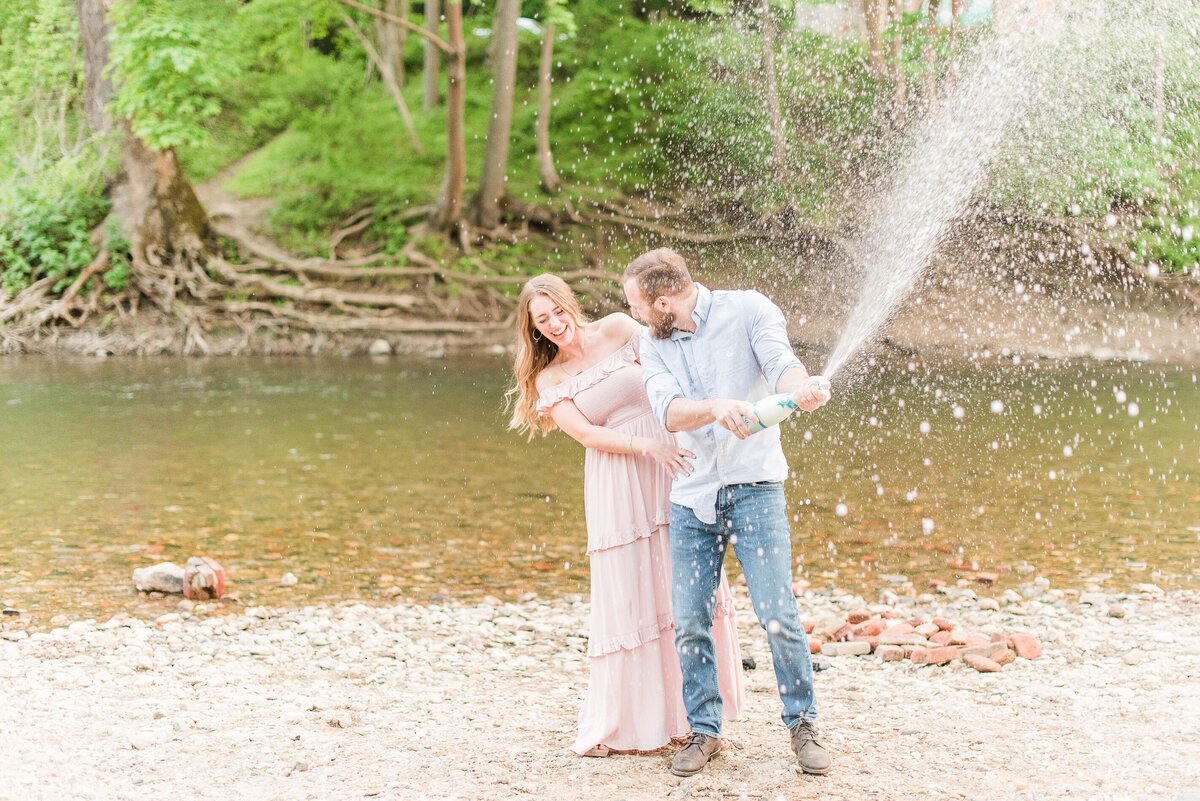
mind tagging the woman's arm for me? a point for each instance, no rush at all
(671, 457)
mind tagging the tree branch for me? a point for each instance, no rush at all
(436, 40)
(389, 79)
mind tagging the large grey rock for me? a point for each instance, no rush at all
(163, 577)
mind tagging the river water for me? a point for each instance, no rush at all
(397, 479)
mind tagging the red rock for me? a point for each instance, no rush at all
(919, 656)
(809, 625)
(987, 578)
(941, 638)
(1026, 645)
(1000, 638)
(887, 614)
(872, 641)
(934, 583)
(890, 653)
(858, 616)
(942, 623)
(934, 656)
(203, 578)
(974, 640)
(1003, 657)
(871, 628)
(814, 645)
(917, 621)
(900, 628)
(982, 663)
(842, 634)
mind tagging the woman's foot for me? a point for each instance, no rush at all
(599, 751)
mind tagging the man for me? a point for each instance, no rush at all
(706, 357)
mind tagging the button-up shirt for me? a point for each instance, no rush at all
(739, 350)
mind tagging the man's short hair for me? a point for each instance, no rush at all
(659, 273)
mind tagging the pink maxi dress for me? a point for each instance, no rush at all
(634, 698)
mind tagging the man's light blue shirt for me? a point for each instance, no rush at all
(739, 350)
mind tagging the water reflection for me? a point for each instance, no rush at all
(398, 479)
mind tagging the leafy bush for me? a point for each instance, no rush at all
(46, 222)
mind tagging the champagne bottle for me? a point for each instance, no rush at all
(772, 410)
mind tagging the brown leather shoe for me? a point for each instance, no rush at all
(812, 755)
(695, 754)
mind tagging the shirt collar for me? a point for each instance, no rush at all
(699, 314)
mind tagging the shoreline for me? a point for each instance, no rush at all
(464, 701)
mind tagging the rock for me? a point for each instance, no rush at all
(1026, 646)
(829, 627)
(983, 650)
(814, 645)
(989, 604)
(288, 580)
(380, 347)
(941, 638)
(1116, 610)
(858, 616)
(870, 628)
(809, 625)
(846, 649)
(820, 664)
(748, 663)
(14, 636)
(987, 578)
(10, 612)
(928, 629)
(982, 663)
(934, 656)
(163, 577)
(1134, 658)
(890, 653)
(203, 578)
(1093, 598)
(1011, 597)
(59, 620)
(1003, 656)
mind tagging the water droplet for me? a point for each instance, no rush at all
(997, 407)
(841, 510)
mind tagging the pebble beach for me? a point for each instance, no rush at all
(478, 702)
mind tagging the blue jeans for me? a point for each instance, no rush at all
(753, 518)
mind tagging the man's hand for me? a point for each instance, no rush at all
(814, 393)
(733, 415)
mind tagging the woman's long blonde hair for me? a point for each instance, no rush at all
(535, 352)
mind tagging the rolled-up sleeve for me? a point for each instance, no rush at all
(661, 386)
(768, 338)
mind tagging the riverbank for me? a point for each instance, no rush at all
(479, 702)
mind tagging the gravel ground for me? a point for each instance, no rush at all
(479, 702)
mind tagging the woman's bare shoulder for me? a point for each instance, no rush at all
(619, 326)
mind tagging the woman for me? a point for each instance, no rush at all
(584, 378)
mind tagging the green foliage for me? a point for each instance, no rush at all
(167, 60)
(45, 224)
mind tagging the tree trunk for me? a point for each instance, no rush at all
(448, 212)
(432, 61)
(388, 77)
(390, 39)
(899, 80)
(778, 141)
(874, 20)
(158, 210)
(492, 185)
(929, 54)
(155, 206)
(1159, 99)
(549, 176)
(97, 88)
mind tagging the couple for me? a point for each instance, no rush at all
(620, 391)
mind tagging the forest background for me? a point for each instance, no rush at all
(397, 167)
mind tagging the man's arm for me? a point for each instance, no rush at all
(783, 371)
(678, 413)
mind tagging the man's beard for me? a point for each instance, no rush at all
(662, 324)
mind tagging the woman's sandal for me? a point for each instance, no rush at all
(598, 751)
